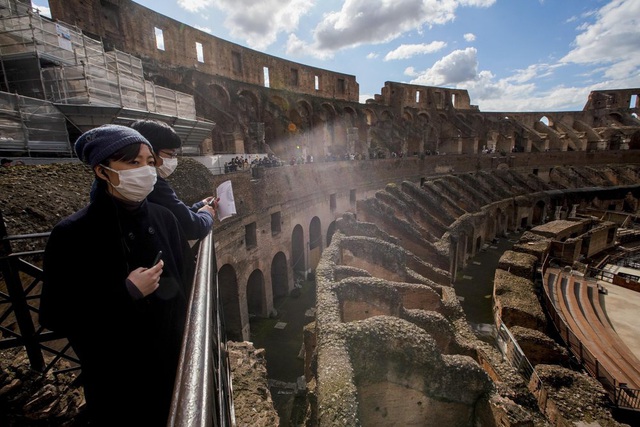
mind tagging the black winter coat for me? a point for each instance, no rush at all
(196, 225)
(128, 349)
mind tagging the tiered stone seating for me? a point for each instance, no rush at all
(577, 301)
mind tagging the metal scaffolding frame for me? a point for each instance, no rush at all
(50, 61)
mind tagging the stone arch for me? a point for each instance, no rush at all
(315, 242)
(298, 128)
(352, 115)
(219, 95)
(428, 132)
(280, 102)
(386, 115)
(350, 122)
(274, 134)
(539, 212)
(249, 103)
(615, 140)
(330, 232)
(503, 144)
(370, 117)
(298, 264)
(279, 275)
(423, 117)
(230, 298)
(617, 117)
(256, 294)
(546, 121)
(325, 122)
(301, 115)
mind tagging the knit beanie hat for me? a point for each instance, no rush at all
(160, 134)
(98, 144)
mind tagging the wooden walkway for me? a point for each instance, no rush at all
(583, 324)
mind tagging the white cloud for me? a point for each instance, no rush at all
(613, 39)
(372, 55)
(205, 29)
(410, 71)
(258, 23)
(470, 37)
(195, 5)
(605, 49)
(44, 11)
(532, 72)
(297, 47)
(477, 3)
(405, 51)
(458, 67)
(364, 21)
(363, 98)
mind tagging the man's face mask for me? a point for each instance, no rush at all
(169, 165)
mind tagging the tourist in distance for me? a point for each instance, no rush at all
(196, 220)
(117, 276)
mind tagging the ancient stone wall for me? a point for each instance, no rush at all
(132, 28)
(307, 111)
(367, 294)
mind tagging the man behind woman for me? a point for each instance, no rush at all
(196, 220)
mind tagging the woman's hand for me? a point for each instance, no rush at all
(146, 280)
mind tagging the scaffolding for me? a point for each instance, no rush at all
(56, 63)
(31, 125)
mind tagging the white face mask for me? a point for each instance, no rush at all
(168, 166)
(135, 184)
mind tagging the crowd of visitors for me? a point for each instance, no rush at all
(242, 163)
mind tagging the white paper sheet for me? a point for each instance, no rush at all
(226, 204)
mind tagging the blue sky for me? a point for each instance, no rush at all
(511, 55)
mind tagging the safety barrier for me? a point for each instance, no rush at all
(202, 395)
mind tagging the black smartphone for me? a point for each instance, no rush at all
(157, 260)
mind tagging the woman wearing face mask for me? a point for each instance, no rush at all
(122, 311)
(196, 220)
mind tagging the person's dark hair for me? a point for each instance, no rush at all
(125, 154)
(159, 134)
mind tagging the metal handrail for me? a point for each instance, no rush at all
(202, 394)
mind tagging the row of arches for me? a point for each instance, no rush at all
(294, 127)
(251, 292)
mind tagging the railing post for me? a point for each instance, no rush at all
(10, 272)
